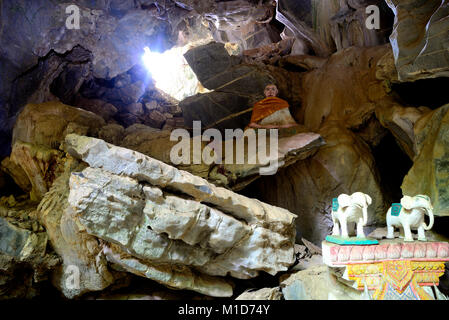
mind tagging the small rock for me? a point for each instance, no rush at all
(135, 108)
(314, 249)
(262, 294)
(112, 133)
(11, 201)
(128, 119)
(175, 110)
(152, 105)
(155, 119)
(168, 115)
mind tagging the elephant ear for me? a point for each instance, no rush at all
(368, 199)
(344, 200)
(407, 202)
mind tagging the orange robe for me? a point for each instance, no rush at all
(266, 107)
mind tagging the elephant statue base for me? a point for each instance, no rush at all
(351, 240)
(392, 269)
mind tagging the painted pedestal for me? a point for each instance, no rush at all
(392, 269)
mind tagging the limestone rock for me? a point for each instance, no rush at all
(209, 61)
(152, 105)
(237, 86)
(112, 133)
(420, 38)
(344, 165)
(128, 119)
(261, 294)
(345, 88)
(20, 243)
(155, 119)
(429, 174)
(316, 283)
(47, 123)
(99, 107)
(16, 172)
(220, 227)
(40, 164)
(298, 18)
(400, 121)
(78, 250)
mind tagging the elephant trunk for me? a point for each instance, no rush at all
(365, 215)
(430, 213)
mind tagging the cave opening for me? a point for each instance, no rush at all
(432, 93)
(393, 165)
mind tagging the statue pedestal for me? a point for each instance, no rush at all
(392, 269)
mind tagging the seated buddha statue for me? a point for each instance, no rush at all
(271, 112)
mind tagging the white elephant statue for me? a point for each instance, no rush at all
(347, 209)
(409, 214)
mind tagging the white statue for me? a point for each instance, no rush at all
(347, 209)
(410, 214)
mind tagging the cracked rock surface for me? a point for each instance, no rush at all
(171, 226)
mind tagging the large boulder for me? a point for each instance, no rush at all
(47, 123)
(420, 38)
(141, 201)
(429, 174)
(81, 253)
(38, 133)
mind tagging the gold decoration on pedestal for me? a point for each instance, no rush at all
(397, 279)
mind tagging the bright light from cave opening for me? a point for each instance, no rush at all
(171, 72)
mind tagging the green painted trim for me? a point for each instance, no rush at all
(351, 241)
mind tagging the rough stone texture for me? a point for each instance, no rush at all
(47, 123)
(99, 107)
(261, 294)
(316, 283)
(158, 144)
(429, 174)
(25, 259)
(117, 180)
(209, 61)
(345, 88)
(40, 164)
(327, 26)
(400, 122)
(16, 173)
(420, 38)
(290, 150)
(297, 17)
(76, 248)
(155, 119)
(112, 133)
(236, 88)
(20, 243)
(343, 165)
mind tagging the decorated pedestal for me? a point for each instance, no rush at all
(392, 269)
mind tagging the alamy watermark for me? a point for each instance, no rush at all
(73, 20)
(373, 19)
(258, 150)
(72, 277)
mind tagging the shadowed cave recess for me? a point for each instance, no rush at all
(92, 203)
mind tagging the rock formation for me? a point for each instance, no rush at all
(92, 200)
